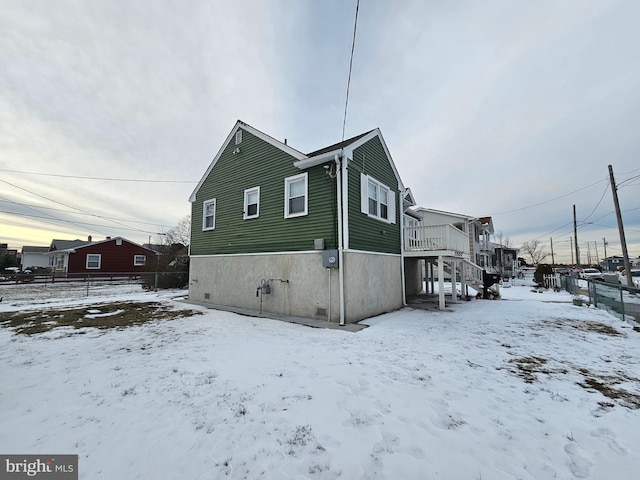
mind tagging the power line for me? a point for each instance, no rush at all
(74, 208)
(50, 219)
(584, 223)
(627, 180)
(627, 173)
(27, 205)
(548, 201)
(139, 180)
(353, 45)
(599, 201)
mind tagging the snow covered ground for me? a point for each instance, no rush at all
(528, 387)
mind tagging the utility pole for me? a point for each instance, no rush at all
(623, 241)
(575, 237)
(553, 260)
(604, 241)
(589, 262)
(571, 246)
(595, 244)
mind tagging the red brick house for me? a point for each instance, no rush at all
(113, 255)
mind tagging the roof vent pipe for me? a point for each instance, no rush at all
(89, 238)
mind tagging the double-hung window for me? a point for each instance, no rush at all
(251, 203)
(378, 200)
(295, 196)
(94, 261)
(209, 214)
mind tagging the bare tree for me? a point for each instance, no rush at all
(181, 233)
(535, 250)
(503, 240)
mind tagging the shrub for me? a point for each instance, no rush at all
(542, 270)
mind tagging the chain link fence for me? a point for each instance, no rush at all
(44, 288)
(619, 300)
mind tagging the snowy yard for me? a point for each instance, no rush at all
(528, 387)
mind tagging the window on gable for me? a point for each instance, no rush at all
(139, 260)
(378, 200)
(238, 137)
(209, 214)
(295, 196)
(251, 203)
(378, 196)
(94, 261)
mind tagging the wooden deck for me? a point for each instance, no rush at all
(436, 241)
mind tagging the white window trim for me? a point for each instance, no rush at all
(99, 255)
(391, 199)
(238, 137)
(245, 214)
(204, 214)
(136, 263)
(288, 181)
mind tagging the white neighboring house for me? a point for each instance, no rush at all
(34, 257)
(479, 230)
(458, 245)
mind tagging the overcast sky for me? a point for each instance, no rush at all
(508, 108)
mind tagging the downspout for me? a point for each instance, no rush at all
(402, 273)
(339, 172)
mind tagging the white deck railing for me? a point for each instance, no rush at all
(431, 238)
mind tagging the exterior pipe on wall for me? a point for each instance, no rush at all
(399, 201)
(339, 173)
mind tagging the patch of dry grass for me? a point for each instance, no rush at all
(101, 316)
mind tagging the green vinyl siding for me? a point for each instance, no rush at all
(260, 164)
(366, 233)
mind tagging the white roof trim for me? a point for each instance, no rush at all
(263, 136)
(452, 214)
(408, 198)
(317, 160)
(67, 250)
(375, 133)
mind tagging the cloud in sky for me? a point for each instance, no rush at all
(487, 107)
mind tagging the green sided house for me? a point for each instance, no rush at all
(315, 235)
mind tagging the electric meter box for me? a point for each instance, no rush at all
(330, 258)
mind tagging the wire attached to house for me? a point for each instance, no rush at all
(353, 45)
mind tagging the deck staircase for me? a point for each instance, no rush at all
(448, 245)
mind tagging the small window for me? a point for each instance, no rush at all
(139, 260)
(209, 214)
(238, 137)
(251, 203)
(295, 196)
(93, 261)
(378, 200)
(118, 241)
